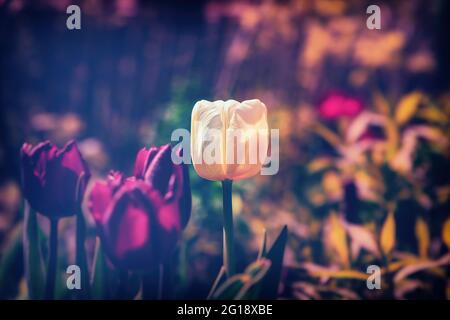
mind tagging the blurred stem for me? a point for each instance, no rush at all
(122, 292)
(81, 256)
(34, 269)
(161, 281)
(151, 282)
(53, 254)
(98, 281)
(228, 229)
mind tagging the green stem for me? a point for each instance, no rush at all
(53, 254)
(228, 229)
(160, 281)
(122, 292)
(99, 274)
(34, 268)
(81, 256)
(151, 284)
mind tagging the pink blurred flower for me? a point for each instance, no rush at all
(338, 104)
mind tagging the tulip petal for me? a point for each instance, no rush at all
(249, 119)
(160, 170)
(207, 138)
(99, 199)
(51, 178)
(129, 228)
(143, 159)
(72, 160)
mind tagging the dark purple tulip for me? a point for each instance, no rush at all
(155, 166)
(54, 180)
(140, 218)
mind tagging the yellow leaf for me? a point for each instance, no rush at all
(394, 266)
(337, 238)
(433, 114)
(446, 233)
(407, 107)
(423, 237)
(381, 104)
(424, 265)
(443, 193)
(332, 185)
(327, 134)
(387, 237)
(326, 272)
(392, 138)
(341, 274)
(319, 164)
(448, 290)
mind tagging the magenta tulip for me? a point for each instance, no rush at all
(140, 218)
(54, 180)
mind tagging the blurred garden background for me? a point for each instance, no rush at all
(363, 116)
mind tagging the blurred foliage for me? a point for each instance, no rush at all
(373, 188)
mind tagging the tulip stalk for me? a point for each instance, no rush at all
(152, 284)
(81, 256)
(52, 260)
(228, 228)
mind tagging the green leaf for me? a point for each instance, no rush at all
(99, 281)
(81, 260)
(240, 286)
(129, 285)
(257, 270)
(263, 249)
(33, 260)
(219, 279)
(230, 288)
(11, 270)
(275, 255)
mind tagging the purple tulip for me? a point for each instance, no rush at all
(140, 218)
(54, 180)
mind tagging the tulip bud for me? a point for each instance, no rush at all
(54, 180)
(229, 140)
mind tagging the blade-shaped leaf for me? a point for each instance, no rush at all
(269, 289)
(219, 279)
(11, 270)
(387, 237)
(33, 260)
(263, 248)
(422, 265)
(336, 239)
(257, 270)
(129, 285)
(446, 233)
(407, 107)
(240, 286)
(81, 259)
(380, 103)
